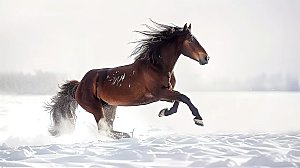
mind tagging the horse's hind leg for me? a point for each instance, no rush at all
(100, 111)
(110, 113)
(167, 112)
(91, 105)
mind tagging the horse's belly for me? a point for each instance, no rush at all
(129, 99)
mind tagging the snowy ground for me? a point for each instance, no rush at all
(245, 129)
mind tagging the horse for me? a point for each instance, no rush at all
(150, 78)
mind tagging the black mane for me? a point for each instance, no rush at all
(149, 47)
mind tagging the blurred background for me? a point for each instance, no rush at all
(252, 79)
(253, 45)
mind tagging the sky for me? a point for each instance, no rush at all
(248, 41)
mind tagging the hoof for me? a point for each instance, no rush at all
(125, 135)
(162, 112)
(119, 135)
(198, 122)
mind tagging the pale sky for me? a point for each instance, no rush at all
(244, 38)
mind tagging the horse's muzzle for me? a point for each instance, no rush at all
(204, 61)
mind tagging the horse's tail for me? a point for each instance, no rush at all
(62, 109)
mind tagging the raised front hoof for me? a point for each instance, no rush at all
(162, 112)
(198, 121)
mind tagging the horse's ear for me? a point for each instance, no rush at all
(190, 27)
(185, 27)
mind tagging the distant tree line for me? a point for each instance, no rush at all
(260, 82)
(275, 82)
(47, 83)
(36, 83)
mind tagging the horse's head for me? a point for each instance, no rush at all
(192, 48)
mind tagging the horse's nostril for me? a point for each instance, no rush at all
(207, 58)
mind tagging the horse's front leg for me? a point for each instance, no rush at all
(172, 110)
(166, 94)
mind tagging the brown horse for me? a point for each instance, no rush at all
(149, 79)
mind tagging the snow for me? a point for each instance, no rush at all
(242, 129)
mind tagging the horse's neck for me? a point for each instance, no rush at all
(169, 56)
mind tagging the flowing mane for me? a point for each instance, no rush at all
(149, 47)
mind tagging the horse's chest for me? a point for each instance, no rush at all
(167, 82)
